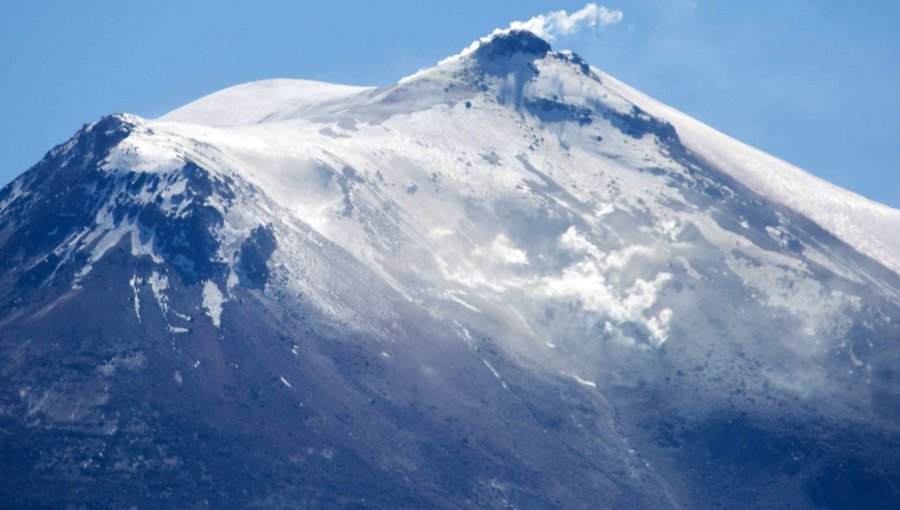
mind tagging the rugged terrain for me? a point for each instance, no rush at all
(508, 281)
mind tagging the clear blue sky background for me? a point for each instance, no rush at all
(814, 82)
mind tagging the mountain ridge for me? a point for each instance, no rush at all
(787, 187)
(508, 280)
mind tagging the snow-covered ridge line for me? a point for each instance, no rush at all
(868, 226)
(261, 101)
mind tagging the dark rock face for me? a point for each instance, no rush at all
(638, 123)
(514, 54)
(549, 110)
(856, 482)
(69, 185)
(254, 256)
(504, 46)
(505, 55)
(188, 239)
(576, 60)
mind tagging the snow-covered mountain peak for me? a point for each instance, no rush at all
(510, 225)
(500, 54)
(507, 44)
(500, 44)
(508, 182)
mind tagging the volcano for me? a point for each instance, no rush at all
(507, 281)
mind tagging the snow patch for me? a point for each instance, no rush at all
(212, 302)
(143, 247)
(584, 382)
(132, 362)
(142, 153)
(496, 374)
(135, 282)
(159, 283)
(454, 296)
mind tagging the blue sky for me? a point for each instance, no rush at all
(814, 82)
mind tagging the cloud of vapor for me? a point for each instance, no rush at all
(549, 25)
(546, 26)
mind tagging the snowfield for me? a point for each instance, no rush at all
(510, 180)
(507, 280)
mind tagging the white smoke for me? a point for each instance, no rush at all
(548, 26)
